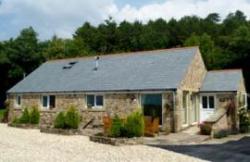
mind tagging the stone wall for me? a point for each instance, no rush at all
(221, 125)
(47, 118)
(224, 99)
(191, 83)
(121, 104)
(96, 115)
(14, 113)
(63, 101)
(195, 74)
(168, 112)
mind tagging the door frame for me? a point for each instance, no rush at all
(187, 108)
(196, 107)
(208, 109)
(162, 104)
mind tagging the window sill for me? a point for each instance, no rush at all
(47, 110)
(94, 109)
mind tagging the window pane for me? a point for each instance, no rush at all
(204, 102)
(18, 100)
(52, 101)
(184, 100)
(211, 102)
(45, 101)
(90, 100)
(99, 100)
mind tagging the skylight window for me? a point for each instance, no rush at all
(70, 65)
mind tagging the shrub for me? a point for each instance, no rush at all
(25, 118)
(205, 128)
(5, 115)
(244, 121)
(34, 115)
(60, 120)
(15, 121)
(72, 118)
(221, 134)
(116, 127)
(134, 126)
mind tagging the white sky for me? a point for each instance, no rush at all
(63, 17)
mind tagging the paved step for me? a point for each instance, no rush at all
(189, 136)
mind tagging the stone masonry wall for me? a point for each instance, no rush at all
(195, 74)
(63, 101)
(168, 112)
(191, 83)
(121, 104)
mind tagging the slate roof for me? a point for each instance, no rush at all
(148, 70)
(222, 80)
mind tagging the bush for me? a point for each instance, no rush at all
(221, 134)
(15, 121)
(205, 129)
(244, 121)
(134, 126)
(34, 116)
(25, 118)
(116, 127)
(68, 120)
(72, 118)
(60, 121)
(5, 115)
(28, 117)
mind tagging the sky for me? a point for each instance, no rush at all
(63, 17)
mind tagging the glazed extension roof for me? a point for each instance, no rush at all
(147, 70)
(222, 80)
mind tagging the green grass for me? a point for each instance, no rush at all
(1, 114)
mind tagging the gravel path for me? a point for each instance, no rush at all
(31, 146)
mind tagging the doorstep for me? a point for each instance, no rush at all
(176, 139)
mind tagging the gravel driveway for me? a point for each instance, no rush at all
(234, 148)
(30, 145)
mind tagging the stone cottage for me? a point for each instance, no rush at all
(174, 83)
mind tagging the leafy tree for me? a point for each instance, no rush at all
(206, 45)
(239, 42)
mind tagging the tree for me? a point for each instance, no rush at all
(87, 37)
(232, 21)
(239, 42)
(23, 53)
(206, 45)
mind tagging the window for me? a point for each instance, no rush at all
(52, 101)
(18, 100)
(208, 102)
(94, 101)
(204, 102)
(45, 101)
(48, 101)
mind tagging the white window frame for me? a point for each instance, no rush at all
(208, 106)
(48, 101)
(45, 107)
(16, 101)
(95, 106)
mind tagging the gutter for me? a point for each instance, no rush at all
(97, 91)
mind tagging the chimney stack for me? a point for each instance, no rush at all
(96, 63)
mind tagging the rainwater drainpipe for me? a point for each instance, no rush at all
(174, 95)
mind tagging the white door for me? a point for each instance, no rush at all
(207, 106)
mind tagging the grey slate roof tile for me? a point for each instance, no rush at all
(222, 80)
(150, 70)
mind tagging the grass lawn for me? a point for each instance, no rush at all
(1, 113)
